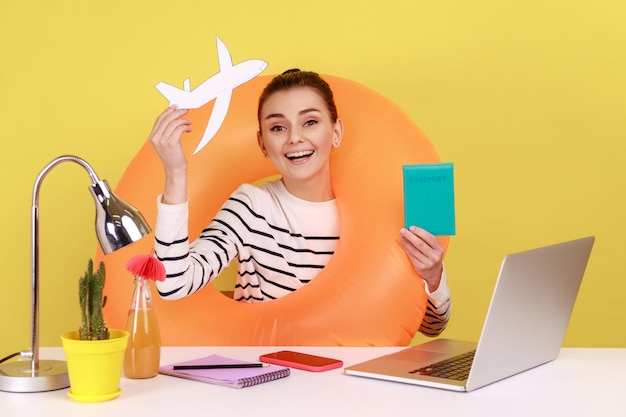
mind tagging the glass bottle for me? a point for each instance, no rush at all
(143, 352)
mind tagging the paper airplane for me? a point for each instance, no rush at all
(219, 87)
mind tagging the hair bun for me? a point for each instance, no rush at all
(290, 71)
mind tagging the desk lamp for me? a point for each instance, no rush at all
(117, 225)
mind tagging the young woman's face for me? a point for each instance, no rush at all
(297, 134)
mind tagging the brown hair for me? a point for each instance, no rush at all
(295, 78)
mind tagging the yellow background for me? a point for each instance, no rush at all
(526, 98)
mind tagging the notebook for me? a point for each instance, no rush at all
(429, 197)
(232, 377)
(525, 325)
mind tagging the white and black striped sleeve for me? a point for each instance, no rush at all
(438, 309)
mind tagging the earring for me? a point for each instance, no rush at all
(336, 143)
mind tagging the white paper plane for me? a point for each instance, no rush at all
(219, 87)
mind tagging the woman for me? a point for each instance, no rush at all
(285, 231)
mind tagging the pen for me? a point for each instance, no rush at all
(221, 366)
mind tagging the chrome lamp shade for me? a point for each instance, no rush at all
(118, 224)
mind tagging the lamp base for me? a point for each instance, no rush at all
(18, 377)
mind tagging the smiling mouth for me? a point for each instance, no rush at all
(294, 156)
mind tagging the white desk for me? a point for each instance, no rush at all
(581, 382)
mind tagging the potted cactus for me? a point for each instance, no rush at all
(94, 353)
(91, 299)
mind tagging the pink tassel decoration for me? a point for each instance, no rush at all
(147, 267)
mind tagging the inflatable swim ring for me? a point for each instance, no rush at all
(368, 294)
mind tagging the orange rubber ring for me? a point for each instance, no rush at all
(368, 294)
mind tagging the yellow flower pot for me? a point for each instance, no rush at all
(94, 366)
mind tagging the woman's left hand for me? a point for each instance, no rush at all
(425, 253)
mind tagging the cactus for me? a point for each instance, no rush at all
(90, 288)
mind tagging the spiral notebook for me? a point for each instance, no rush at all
(230, 377)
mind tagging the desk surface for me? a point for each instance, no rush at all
(580, 382)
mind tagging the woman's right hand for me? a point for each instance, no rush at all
(165, 138)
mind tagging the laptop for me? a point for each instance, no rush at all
(526, 322)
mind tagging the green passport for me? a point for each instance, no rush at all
(429, 197)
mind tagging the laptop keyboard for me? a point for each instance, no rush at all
(456, 368)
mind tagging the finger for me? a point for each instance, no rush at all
(165, 120)
(414, 254)
(425, 236)
(422, 263)
(174, 130)
(420, 249)
(170, 133)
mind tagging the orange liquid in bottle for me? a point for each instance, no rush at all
(144, 345)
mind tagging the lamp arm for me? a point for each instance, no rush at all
(34, 322)
(55, 162)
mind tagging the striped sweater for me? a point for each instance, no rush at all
(279, 241)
